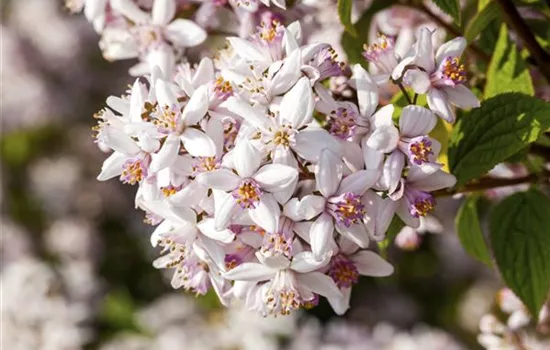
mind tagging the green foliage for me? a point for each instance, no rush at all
(344, 12)
(507, 71)
(481, 20)
(469, 230)
(117, 311)
(353, 45)
(520, 237)
(395, 226)
(490, 134)
(450, 7)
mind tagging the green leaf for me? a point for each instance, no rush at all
(481, 20)
(395, 227)
(488, 135)
(344, 12)
(469, 230)
(520, 237)
(507, 71)
(353, 46)
(450, 7)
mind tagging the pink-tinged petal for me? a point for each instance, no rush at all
(185, 33)
(419, 173)
(297, 104)
(384, 138)
(147, 143)
(416, 121)
(130, 10)
(357, 233)
(252, 272)
(190, 195)
(288, 75)
(245, 49)
(290, 43)
(435, 181)
(321, 234)
(278, 262)
(166, 155)
(418, 80)
(165, 94)
(385, 213)
(266, 214)
(312, 140)
(367, 91)
(119, 141)
(398, 70)
(204, 72)
(295, 29)
(404, 213)
(257, 116)
(393, 168)
(94, 9)
(163, 11)
(226, 208)
(275, 177)
(284, 156)
(214, 129)
(518, 319)
(163, 58)
(462, 97)
(246, 159)
(359, 182)
(136, 102)
(424, 54)
(372, 158)
(371, 264)
(221, 179)
(438, 102)
(352, 156)
(305, 262)
(303, 229)
(341, 305)
(319, 283)
(383, 117)
(310, 206)
(197, 143)
(112, 166)
(328, 173)
(162, 228)
(197, 106)
(280, 3)
(452, 48)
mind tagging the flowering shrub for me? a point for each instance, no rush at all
(276, 172)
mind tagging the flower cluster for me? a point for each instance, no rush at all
(516, 332)
(154, 32)
(264, 185)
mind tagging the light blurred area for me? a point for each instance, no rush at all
(76, 268)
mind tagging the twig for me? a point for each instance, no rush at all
(492, 182)
(517, 23)
(415, 98)
(405, 93)
(471, 46)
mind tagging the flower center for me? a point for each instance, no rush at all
(343, 271)
(420, 150)
(247, 194)
(326, 62)
(232, 261)
(205, 164)
(341, 123)
(169, 190)
(167, 120)
(282, 297)
(453, 70)
(421, 204)
(276, 244)
(284, 136)
(223, 89)
(347, 208)
(270, 32)
(134, 170)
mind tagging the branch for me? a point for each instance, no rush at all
(512, 16)
(486, 183)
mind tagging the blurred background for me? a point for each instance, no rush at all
(76, 268)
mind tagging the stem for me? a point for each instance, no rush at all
(492, 182)
(512, 16)
(415, 98)
(451, 29)
(405, 93)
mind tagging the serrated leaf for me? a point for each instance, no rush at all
(344, 12)
(481, 20)
(520, 237)
(469, 230)
(450, 7)
(353, 46)
(507, 71)
(488, 135)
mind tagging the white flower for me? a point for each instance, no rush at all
(441, 78)
(250, 188)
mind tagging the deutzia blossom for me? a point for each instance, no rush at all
(441, 77)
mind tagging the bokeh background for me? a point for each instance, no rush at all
(76, 267)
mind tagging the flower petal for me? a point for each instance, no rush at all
(245, 49)
(221, 179)
(297, 104)
(266, 214)
(246, 159)
(249, 271)
(288, 75)
(185, 33)
(112, 166)
(359, 182)
(197, 143)
(167, 154)
(367, 91)
(384, 138)
(452, 48)
(438, 102)
(357, 233)
(197, 106)
(254, 115)
(275, 177)
(312, 140)
(418, 80)
(328, 173)
(371, 264)
(163, 11)
(226, 208)
(462, 97)
(310, 206)
(319, 283)
(435, 181)
(341, 305)
(305, 262)
(321, 234)
(416, 121)
(424, 54)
